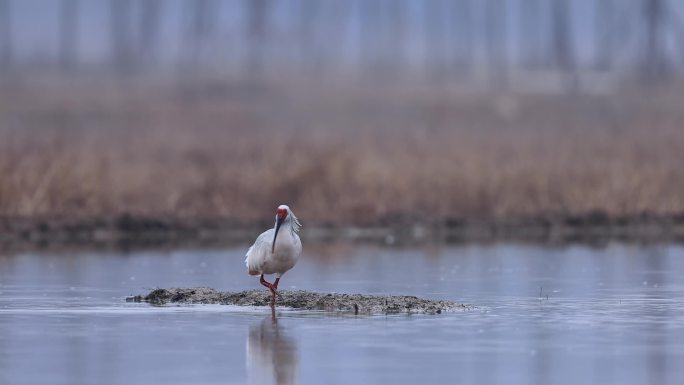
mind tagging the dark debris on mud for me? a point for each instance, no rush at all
(303, 300)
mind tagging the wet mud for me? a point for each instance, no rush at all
(304, 300)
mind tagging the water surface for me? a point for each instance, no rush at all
(546, 315)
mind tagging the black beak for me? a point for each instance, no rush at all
(279, 221)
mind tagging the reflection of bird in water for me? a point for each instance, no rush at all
(271, 254)
(272, 356)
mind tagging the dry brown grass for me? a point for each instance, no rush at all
(337, 157)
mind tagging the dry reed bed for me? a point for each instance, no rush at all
(337, 157)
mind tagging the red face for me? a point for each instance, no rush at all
(281, 213)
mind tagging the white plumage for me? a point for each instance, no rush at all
(266, 258)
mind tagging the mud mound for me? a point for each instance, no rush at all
(303, 300)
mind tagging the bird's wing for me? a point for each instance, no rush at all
(256, 255)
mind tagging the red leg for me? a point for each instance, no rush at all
(271, 286)
(265, 282)
(274, 291)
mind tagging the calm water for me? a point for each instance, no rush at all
(613, 315)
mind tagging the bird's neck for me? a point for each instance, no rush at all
(286, 227)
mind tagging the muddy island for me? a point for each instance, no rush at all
(304, 300)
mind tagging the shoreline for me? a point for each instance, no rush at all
(126, 231)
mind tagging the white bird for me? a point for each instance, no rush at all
(274, 254)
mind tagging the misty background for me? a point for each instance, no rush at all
(500, 43)
(350, 111)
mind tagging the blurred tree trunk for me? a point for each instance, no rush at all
(68, 34)
(497, 47)
(341, 13)
(200, 31)
(257, 36)
(122, 50)
(6, 48)
(654, 60)
(562, 43)
(460, 35)
(396, 35)
(149, 31)
(604, 14)
(370, 15)
(386, 28)
(434, 22)
(308, 12)
(328, 46)
(531, 33)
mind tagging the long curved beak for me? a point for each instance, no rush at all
(279, 222)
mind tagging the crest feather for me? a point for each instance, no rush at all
(296, 226)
